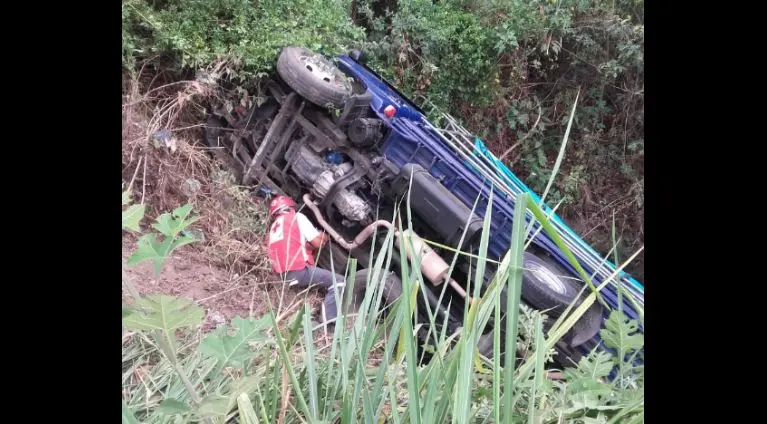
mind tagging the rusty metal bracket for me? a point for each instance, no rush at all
(277, 127)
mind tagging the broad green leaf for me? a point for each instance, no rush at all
(172, 407)
(599, 419)
(132, 216)
(630, 396)
(586, 393)
(170, 224)
(586, 384)
(126, 197)
(596, 365)
(128, 417)
(181, 241)
(214, 405)
(182, 212)
(164, 313)
(621, 333)
(233, 349)
(167, 225)
(625, 414)
(151, 249)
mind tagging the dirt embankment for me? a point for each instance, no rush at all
(165, 167)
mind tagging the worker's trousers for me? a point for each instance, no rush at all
(312, 275)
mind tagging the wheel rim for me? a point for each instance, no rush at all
(323, 70)
(545, 275)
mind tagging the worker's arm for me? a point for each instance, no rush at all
(319, 241)
(314, 237)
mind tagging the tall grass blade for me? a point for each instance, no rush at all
(439, 338)
(310, 363)
(394, 328)
(450, 381)
(274, 391)
(283, 353)
(431, 391)
(561, 154)
(557, 163)
(615, 260)
(261, 406)
(497, 382)
(128, 417)
(541, 217)
(513, 295)
(540, 359)
(407, 333)
(465, 357)
(473, 324)
(621, 290)
(530, 226)
(393, 402)
(479, 276)
(245, 409)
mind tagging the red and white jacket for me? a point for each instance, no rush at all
(288, 242)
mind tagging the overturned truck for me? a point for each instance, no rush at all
(333, 133)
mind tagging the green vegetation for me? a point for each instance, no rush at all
(510, 69)
(524, 75)
(260, 371)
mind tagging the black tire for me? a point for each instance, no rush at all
(392, 289)
(314, 77)
(586, 327)
(546, 285)
(339, 261)
(485, 347)
(485, 344)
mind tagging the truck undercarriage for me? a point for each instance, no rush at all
(325, 149)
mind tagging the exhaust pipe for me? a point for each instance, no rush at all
(433, 267)
(358, 240)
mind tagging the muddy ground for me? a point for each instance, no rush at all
(223, 294)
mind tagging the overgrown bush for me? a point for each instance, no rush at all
(511, 70)
(196, 32)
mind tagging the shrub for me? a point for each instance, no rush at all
(196, 32)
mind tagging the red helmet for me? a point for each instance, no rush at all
(280, 204)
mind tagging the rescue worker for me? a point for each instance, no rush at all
(292, 241)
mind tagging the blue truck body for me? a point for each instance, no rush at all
(414, 139)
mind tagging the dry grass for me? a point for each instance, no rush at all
(165, 173)
(228, 273)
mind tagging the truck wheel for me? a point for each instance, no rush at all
(314, 77)
(392, 288)
(340, 258)
(547, 286)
